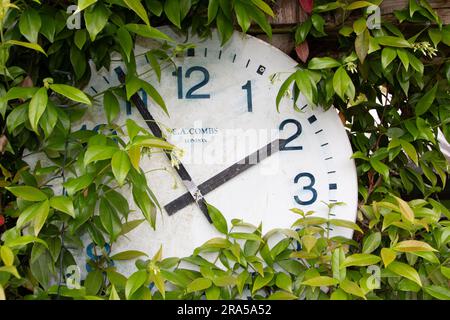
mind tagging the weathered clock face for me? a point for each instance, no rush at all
(222, 108)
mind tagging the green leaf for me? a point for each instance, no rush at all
(134, 282)
(438, 292)
(80, 38)
(358, 5)
(426, 101)
(445, 271)
(361, 260)
(404, 58)
(404, 270)
(99, 152)
(387, 56)
(339, 294)
(71, 93)
(337, 259)
(153, 93)
(284, 282)
(93, 282)
(282, 295)
(27, 193)
(396, 42)
(343, 85)
(120, 164)
(283, 89)
(199, 284)
(262, 281)
(306, 86)
(96, 18)
(125, 41)
(242, 17)
(111, 105)
(30, 24)
(37, 107)
(148, 32)
(63, 204)
(144, 203)
(218, 219)
(40, 216)
(109, 219)
(320, 281)
(372, 242)
(323, 63)
(33, 46)
(76, 184)
(410, 151)
(213, 7)
(24, 240)
(412, 246)
(139, 9)
(10, 269)
(173, 12)
(346, 224)
(380, 167)
(128, 255)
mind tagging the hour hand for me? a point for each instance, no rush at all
(226, 175)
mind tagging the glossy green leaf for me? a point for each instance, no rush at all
(361, 260)
(426, 101)
(139, 9)
(99, 152)
(404, 270)
(199, 284)
(320, 281)
(63, 204)
(218, 219)
(134, 282)
(37, 106)
(30, 24)
(71, 93)
(27, 193)
(128, 255)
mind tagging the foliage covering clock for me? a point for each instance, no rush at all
(241, 155)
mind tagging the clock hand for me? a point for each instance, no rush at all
(194, 193)
(227, 174)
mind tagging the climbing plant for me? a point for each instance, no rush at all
(388, 80)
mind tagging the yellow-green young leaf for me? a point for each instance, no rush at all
(361, 260)
(148, 32)
(7, 256)
(28, 45)
(158, 280)
(404, 270)
(309, 242)
(137, 7)
(114, 295)
(410, 151)
(396, 42)
(71, 93)
(120, 165)
(41, 216)
(405, 210)
(387, 56)
(76, 184)
(63, 204)
(388, 255)
(212, 293)
(346, 224)
(445, 271)
(380, 167)
(199, 284)
(128, 255)
(83, 4)
(339, 294)
(154, 94)
(98, 152)
(261, 282)
(142, 141)
(323, 63)
(134, 152)
(320, 281)
(2, 293)
(264, 7)
(352, 288)
(10, 269)
(218, 219)
(224, 281)
(134, 282)
(27, 193)
(24, 240)
(372, 242)
(337, 259)
(37, 106)
(282, 295)
(413, 246)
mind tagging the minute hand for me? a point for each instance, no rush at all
(226, 175)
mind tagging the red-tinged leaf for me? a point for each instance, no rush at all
(307, 5)
(302, 51)
(2, 220)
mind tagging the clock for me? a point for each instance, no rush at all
(240, 154)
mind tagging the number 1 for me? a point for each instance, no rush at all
(248, 87)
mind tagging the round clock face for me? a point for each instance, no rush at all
(246, 158)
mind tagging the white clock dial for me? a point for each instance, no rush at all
(221, 102)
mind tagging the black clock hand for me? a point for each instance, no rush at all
(194, 194)
(226, 175)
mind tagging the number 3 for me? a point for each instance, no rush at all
(309, 187)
